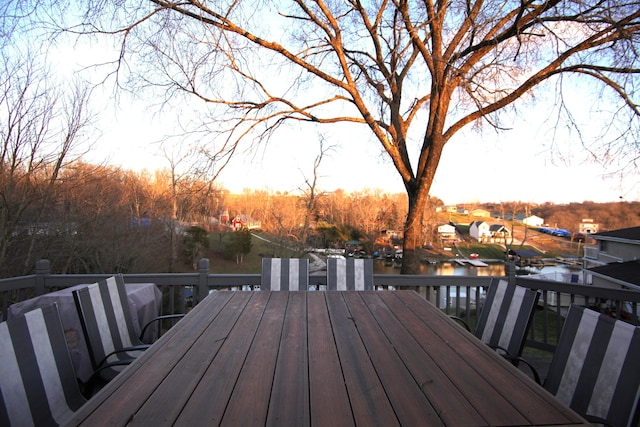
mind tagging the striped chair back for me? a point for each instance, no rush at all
(107, 324)
(285, 274)
(351, 274)
(506, 316)
(38, 385)
(594, 369)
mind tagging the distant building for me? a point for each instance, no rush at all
(587, 226)
(447, 232)
(533, 221)
(447, 208)
(389, 235)
(241, 221)
(614, 246)
(615, 259)
(480, 231)
(480, 213)
(526, 257)
(499, 233)
(224, 217)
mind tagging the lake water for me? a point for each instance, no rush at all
(559, 272)
(447, 268)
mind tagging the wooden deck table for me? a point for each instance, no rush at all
(324, 359)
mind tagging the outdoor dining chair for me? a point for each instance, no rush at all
(350, 274)
(594, 368)
(285, 274)
(38, 385)
(505, 319)
(108, 327)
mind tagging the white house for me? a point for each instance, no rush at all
(479, 230)
(447, 232)
(481, 213)
(533, 221)
(499, 233)
(447, 208)
(587, 226)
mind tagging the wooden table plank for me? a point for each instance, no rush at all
(476, 365)
(410, 404)
(255, 380)
(454, 365)
(329, 399)
(448, 400)
(289, 404)
(369, 401)
(163, 406)
(321, 358)
(207, 402)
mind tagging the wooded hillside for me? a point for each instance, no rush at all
(100, 219)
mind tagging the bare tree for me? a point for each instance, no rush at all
(42, 130)
(413, 74)
(310, 190)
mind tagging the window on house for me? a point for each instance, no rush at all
(603, 246)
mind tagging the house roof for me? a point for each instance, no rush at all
(623, 234)
(628, 271)
(525, 253)
(497, 227)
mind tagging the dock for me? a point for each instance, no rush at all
(474, 262)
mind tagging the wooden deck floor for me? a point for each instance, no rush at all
(325, 359)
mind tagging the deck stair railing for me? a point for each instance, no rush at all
(459, 295)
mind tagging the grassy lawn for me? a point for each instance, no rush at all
(252, 262)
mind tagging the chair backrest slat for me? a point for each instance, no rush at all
(506, 316)
(106, 319)
(594, 369)
(37, 379)
(285, 274)
(351, 274)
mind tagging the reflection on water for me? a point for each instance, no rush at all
(454, 269)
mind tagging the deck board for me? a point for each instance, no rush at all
(329, 399)
(190, 369)
(209, 399)
(256, 377)
(321, 358)
(474, 367)
(447, 399)
(289, 404)
(369, 402)
(409, 403)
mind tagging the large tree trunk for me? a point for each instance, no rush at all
(411, 258)
(418, 195)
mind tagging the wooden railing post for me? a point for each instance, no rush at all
(43, 267)
(510, 271)
(203, 278)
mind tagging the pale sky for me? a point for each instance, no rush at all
(513, 165)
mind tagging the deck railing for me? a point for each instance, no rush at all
(459, 295)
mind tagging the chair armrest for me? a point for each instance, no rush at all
(111, 364)
(158, 319)
(461, 322)
(89, 387)
(516, 359)
(122, 350)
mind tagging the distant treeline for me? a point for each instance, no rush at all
(102, 219)
(608, 216)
